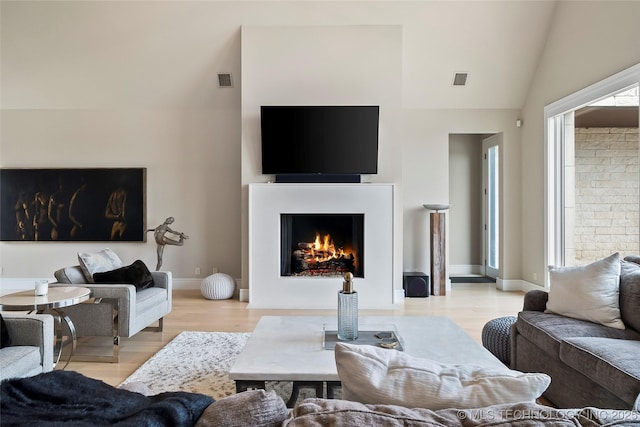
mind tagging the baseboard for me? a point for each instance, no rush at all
(244, 295)
(188, 283)
(516, 285)
(508, 285)
(398, 296)
(528, 286)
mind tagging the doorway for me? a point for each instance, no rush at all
(473, 217)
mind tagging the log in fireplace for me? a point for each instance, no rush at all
(323, 245)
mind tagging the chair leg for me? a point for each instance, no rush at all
(158, 328)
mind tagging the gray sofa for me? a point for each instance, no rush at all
(31, 350)
(66, 396)
(589, 364)
(134, 310)
(259, 408)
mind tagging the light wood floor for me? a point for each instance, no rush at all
(469, 305)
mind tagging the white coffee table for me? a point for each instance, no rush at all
(291, 348)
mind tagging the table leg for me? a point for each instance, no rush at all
(57, 329)
(332, 386)
(297, 385)
(318, 386)
(59, 316)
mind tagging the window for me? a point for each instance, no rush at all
(592, 181)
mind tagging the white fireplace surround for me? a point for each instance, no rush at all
(268, 289)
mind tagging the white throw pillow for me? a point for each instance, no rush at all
(375, 375)
(590, 292)
(98, 262)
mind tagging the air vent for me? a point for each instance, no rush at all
(460, 79)
(224, 80)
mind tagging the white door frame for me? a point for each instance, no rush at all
(487, 143)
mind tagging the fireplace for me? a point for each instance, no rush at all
(359, 216)
(321, 245)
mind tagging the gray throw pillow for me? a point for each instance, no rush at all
(630, 294)
(249, 408)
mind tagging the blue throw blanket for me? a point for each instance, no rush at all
(71, 399)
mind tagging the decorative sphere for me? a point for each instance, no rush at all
(218, 286)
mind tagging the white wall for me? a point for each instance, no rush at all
(115, 84)
(100, 84)
(425, 169)
(587, 42)
(323, 65)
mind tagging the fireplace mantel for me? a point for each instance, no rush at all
(268, 289)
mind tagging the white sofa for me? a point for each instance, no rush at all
(31, 350)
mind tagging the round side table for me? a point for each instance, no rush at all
(52, 303)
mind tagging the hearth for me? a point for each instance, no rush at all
(368, 209)
(325, 245)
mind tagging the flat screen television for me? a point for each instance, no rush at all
(319, 140)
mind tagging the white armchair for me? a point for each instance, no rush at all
(31, 350)
(116, 310)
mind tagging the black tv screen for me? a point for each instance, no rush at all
(319, 139)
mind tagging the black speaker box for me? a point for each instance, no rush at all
(318, 178)
(415, 284)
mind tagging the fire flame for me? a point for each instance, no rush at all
(323, 249)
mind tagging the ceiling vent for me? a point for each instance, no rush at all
(224, 80)
(460, 79)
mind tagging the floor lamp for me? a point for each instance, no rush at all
(438, 249)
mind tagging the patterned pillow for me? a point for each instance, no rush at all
(97, 262)
(374, 375)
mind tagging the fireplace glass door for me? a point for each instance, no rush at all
(323, 245)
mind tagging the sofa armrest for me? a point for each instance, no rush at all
(32, 330)
(535, 300)
(83, 315)
(162, 279)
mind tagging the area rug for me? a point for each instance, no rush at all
(199, 362)
(196, 362)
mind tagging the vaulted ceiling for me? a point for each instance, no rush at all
(498, 43)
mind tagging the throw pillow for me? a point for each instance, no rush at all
(630, 294)
(375, 375)
(96, 262)
(249, 408)
(5, 339)
(136, 274)
(590, 292)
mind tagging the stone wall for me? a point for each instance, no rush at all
(607, 201)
